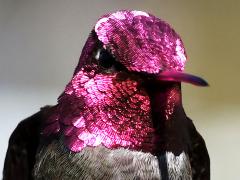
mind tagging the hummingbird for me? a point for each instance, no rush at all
(121, 115)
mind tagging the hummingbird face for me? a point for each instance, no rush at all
(108, 100)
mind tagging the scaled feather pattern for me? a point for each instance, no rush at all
(112, 109)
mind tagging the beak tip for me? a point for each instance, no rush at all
(201, 83)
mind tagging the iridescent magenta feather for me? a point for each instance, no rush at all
(113, 109)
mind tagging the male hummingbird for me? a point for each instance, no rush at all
(121, 114)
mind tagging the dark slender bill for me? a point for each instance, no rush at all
(182, 77)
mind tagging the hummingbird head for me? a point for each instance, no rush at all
(138, 42)
(129, 57)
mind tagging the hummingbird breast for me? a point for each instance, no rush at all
(55, 161)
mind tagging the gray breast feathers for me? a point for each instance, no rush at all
(57, 162)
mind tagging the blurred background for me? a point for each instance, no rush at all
(41, 41)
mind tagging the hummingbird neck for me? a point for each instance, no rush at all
(168, 117)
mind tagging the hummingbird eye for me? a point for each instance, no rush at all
(105, 59)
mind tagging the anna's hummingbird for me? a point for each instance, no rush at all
(120, 116)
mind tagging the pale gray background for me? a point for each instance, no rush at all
(41, 41)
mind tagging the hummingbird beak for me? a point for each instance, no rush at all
(176, 76)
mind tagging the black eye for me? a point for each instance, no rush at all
(105, 59)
